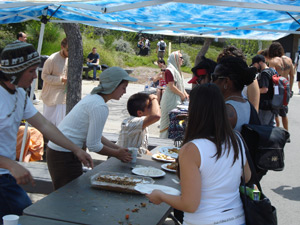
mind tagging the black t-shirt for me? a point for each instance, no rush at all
(93, 57)
(265, 80)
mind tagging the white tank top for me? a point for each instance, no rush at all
(220, 199)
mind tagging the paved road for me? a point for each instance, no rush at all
(283, 188)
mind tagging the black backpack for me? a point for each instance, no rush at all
(162, 46)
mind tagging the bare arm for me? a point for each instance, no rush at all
(175, 90)
(113, 150)
(253, 94)
(189, 159)
(263, 90)
(154, 113)
(53, 134)
(21, 174)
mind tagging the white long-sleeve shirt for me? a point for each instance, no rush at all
(84, 124)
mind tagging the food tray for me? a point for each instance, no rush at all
(129, 181)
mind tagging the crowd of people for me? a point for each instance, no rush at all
(210, 157)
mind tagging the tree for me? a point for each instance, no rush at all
(75, 63)
(203, 50)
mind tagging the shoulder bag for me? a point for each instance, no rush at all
(260, 211)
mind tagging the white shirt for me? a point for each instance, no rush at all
(84, 124)
(158, 44)
(220, 181)
(9, 126)
(132, 134)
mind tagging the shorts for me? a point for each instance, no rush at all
(281, 112)
(298, 76)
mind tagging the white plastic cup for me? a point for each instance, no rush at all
(133, 151)
(10, 219)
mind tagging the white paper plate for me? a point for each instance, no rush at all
(183, 107)
(148, 188)
(160, 157)
(164, 166)
(165, 150)
(148, 172)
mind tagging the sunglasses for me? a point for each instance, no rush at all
(215, 77)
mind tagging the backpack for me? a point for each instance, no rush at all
(281, 95)
(162, 46)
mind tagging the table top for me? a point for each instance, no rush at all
(29, 220)
(77, 202)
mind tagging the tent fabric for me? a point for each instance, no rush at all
(243, 19)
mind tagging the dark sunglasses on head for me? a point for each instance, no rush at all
(215, 77)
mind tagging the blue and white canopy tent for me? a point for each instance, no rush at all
(246, 19)
(242, 19)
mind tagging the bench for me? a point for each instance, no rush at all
(86, 70)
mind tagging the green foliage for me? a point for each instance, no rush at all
(5, 38)
(123, 46)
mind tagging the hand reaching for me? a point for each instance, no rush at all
(21, 174)
(155, 197)
(85, 158)
(124, 155)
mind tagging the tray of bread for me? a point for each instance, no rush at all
(121, 182)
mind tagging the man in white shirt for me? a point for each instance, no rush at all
(161, 48)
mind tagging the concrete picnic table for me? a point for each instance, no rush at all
(78, 202)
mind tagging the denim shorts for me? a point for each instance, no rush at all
(13, 199)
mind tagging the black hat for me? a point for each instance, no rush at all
(16, 57)
(257, 59)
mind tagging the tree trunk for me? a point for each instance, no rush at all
(203, 50)
(74, 65)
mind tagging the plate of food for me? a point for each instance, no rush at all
(148, 188)
(163, 157)
(121, 182)
(148, 171)
(171, 167)
(170, 151)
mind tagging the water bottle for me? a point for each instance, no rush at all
(146, 87)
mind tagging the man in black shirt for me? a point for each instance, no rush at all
(93, 60)
(265, 82)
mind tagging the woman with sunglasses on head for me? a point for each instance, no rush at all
(231, 75)
(175, 92)
(210, 164)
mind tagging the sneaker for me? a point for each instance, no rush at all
(35, 101)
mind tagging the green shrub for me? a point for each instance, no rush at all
(123, 46)
(5, 38)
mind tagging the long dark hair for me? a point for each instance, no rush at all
(208, 119)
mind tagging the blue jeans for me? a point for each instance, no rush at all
(13, 199)
(94, 67)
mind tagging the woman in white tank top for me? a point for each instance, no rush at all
(210, 164)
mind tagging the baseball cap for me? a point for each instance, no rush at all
(198, 73)
(257, 59)
(110, 79)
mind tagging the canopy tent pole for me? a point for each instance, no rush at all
(39, 49)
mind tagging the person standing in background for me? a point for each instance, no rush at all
(284, 67)
(297, 67)
(93, 60)
(175, 92)
(54, 76)
(161, 48)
